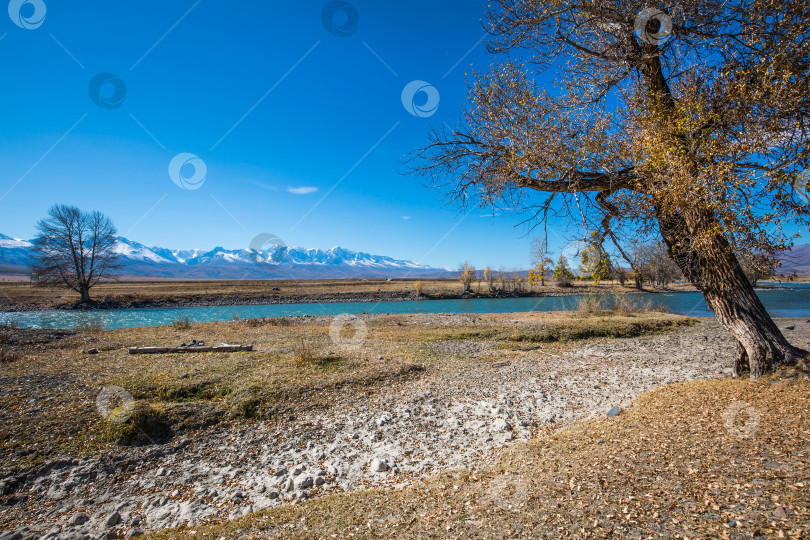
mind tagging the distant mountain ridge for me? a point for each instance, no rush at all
(277, 262)
(797, 261)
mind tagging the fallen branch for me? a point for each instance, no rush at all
(208, 348)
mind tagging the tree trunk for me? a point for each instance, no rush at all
(712, 267)
(85, 294)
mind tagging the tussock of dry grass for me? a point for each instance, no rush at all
(7, 356)
(669, 467)
(181, 323)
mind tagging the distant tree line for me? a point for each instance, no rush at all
(645, 263)
(499, 281)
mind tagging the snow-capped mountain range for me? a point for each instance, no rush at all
(276, 262)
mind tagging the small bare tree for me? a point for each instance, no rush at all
(757, 266)
(620, 274)
(663, 270)
(501, 280)
(75, 249)
(508, 280)
(639, 259)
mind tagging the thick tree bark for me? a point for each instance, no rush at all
(714, 270)
(711, 266)
(85, 294)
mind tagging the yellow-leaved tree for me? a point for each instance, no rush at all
(688, 120)
(489, 278)
(540, 259)
(466, 275)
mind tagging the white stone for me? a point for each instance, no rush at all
(378, 465)
(303, 481)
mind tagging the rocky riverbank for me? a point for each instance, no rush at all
(413, 428)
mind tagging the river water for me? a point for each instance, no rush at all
(785, 301)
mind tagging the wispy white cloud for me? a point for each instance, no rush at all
(303, 190)
(406, 217)
(262, 184)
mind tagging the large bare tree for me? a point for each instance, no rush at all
(689, 119)
(74, 248)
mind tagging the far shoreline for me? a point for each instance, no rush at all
(341, 299)
(25, 297)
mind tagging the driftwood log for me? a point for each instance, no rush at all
(206, 348)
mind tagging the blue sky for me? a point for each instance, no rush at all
(302, 132)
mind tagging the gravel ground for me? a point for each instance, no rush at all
(419, 427)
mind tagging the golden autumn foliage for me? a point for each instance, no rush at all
(691, 121)
(466, 275)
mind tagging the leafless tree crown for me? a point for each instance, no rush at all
(74, 248)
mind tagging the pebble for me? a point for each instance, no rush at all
(614, 411)
(303, 481)
(112, 520)
(79, 519)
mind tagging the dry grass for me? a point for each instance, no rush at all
(621, 304)
(310, 353)
(181, 323)
(47, 396)
(47, 402)
(7, 356)
(589, 304)
(91, 327)
(667, 468)
(562, 327)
